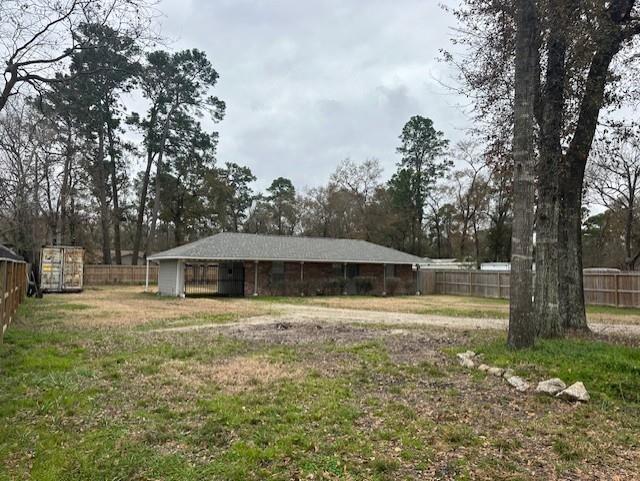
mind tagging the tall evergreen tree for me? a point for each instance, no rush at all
(422, 148)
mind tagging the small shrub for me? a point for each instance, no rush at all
(303, 288)
(332, 287)
(409, 287)
(364, 285)
(275, 287)
(393, 285)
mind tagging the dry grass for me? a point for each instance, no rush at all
(117, 306)
(231, 375)
(296, 400)
(456, 306)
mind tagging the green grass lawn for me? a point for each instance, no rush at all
(80, 402)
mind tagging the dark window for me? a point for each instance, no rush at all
(277, 272)
(390, 270)
(352, 271)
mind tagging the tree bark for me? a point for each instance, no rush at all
(114, 194)
(144, 189)
(64, 190)
(571, 289)
(151, 239)
(571, 294)
(546, 280)
(521, 326)
(101, 187)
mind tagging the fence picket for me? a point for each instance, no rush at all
(13, 286)
(604, 289)
(97, 274)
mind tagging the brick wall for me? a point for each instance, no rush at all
(322, 279)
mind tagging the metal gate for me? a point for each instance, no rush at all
(200, 279)
(211, 279)
(231, 279)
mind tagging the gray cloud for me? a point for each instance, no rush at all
(310, 83)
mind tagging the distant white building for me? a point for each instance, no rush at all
(496, 266)
(446, 264)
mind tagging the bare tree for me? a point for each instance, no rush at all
(357, 182)
(613, 180)
(37, 37)
(23, 160)
(470, 191)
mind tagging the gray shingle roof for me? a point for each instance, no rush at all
(6, 253)
(248, 247)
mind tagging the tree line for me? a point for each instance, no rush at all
(73, 173)
(79, 167)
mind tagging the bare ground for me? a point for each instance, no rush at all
(290, 313)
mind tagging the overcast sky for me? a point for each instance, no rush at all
(308, 84)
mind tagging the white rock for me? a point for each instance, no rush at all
(518, 383)
(508, 373)
(575, 392)
(466, 354)
(551, 386)
(496, 371)
(483, 367)
(466, 362)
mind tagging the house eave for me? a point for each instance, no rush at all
(279, 259)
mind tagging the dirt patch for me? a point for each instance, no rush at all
(233, 375)
(403, 344)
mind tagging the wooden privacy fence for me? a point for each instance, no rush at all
(97, 275)
(619, 289)
(13, 288)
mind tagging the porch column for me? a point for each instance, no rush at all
(344, 269)
(178, 279)
(384, 279)
(255, 279)
(146, 279)
(417, 279)
(302, 278)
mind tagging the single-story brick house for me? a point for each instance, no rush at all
(237, 264)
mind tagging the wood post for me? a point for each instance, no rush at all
(255, 279)
(344, 292)
(617, 290)
(384, 279)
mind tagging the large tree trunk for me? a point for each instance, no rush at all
(101, 191)
(144, 189)
(521, 326)
(151, 239)
(571, 292)
(64, 190)
(155, 212)
(546, 288)
(114, 195)
(571, 295)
